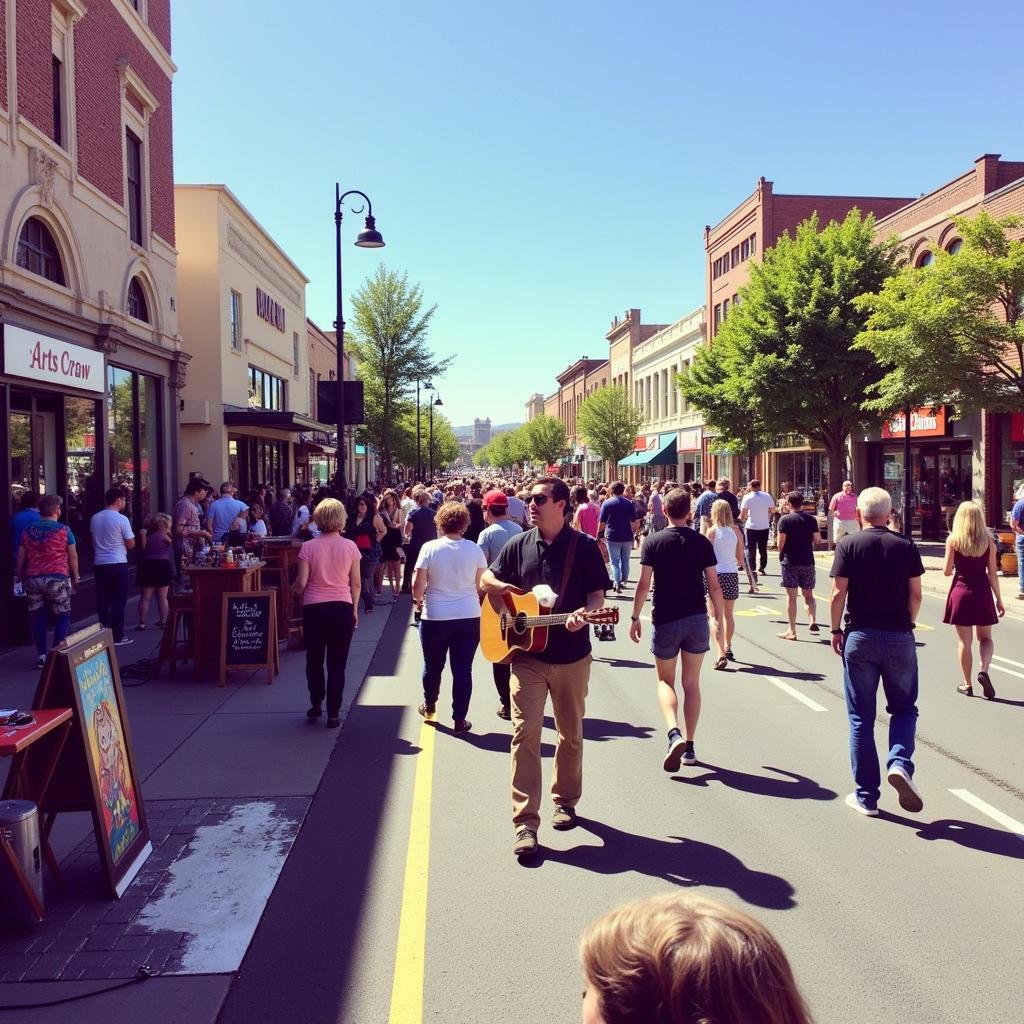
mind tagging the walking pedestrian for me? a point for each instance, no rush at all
(727, 542)
(586, 515)
(702, 508)
(447, 584)
(112, 539)
(28, 512)
(329, 580)
(390, 513)
(682, 564)
(876, 576)
(658, 520)
(516, 507)
(47, 567)
(569, 563)
(498, 531)
(974, 604)
(365, 529)
(1017, 525)
(419, 529)
(618, 515)
(682, 958)
(156, 568)
(724, 493)
(756, 515)
(842, 510)
(798, 531)
(476, 512)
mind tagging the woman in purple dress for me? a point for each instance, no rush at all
(974, 602)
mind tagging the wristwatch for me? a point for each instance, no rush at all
(635, 618)
(834, 631)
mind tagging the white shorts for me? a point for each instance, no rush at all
(844, 527)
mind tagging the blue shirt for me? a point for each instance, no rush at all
(618, 515)
(223, 512)
(493, 539)
(704, 503)
(19, 521)
(1017, 514)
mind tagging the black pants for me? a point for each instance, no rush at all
(411, 554)
(327, 629)
(366, 570)
(111, 596)
(503, 683)
(757, 541)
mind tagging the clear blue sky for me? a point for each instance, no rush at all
(540, 167)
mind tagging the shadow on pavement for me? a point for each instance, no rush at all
(600, 729)
(680, 861)
(791, 787)
(624, 663)
(385, 658)
(1006, 700)
(495, 742)
(982, 838)
(767, 670)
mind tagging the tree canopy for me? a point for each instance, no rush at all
(609, 423)
(546, 440)
(390, 345)
(953, 332)
(785, 352)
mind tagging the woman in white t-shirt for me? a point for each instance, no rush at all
(447, 586)
(728, 544)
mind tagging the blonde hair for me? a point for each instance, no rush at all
(683, 958)
(452, 517)
(721, 513)
(154, 522)
(330, 516)
(969, 535)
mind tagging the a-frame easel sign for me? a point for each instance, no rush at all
(96, 771)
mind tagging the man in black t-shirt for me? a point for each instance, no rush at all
(797, 533)
(681, 562)
(562, 669)
(876, 576)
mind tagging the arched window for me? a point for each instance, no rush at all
(955, 246)
(926, 258)
(38, 252)
(137, 301)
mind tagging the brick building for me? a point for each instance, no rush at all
(576, 383)
(980, 456)
(736, 241)
(92, 362)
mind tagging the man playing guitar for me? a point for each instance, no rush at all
(570, 563)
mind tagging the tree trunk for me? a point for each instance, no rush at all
(836, 451)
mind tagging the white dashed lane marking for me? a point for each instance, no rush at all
(987, 809)
(795, 693)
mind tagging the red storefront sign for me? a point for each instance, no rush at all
(1017, 426)
(924, 422)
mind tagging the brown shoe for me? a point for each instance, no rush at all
(525, 844)
(564, 818)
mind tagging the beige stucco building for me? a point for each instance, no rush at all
(242, 313)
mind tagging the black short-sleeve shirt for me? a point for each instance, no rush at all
(879, 566)
(679, 557)
(527, 559)
(801, 530)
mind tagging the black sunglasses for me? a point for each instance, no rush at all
(538, 499)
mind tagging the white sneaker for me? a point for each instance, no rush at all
(852, 800)
(900, 780)
(124, 641)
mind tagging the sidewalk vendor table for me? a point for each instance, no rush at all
(15, 742)
(209, 586)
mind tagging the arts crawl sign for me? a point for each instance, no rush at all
(924, 422)
(42, 358)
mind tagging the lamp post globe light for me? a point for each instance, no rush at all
(368, 238)
(430, 441)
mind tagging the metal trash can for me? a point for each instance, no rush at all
(19, 823)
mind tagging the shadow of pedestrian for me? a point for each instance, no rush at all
(768, 670)
(495, 742)
(624, 663)
(600, 729)
(1006, 700)
(982, 838)
(791, 787)
(677, 860)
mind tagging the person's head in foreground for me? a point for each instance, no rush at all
(685, 959)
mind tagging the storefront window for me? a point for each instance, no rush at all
(133, 432)
(1012, 464)
(84, 489)
(806, 471)
(120, 429)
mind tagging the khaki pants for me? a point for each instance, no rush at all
(532, 681)
(843, 528)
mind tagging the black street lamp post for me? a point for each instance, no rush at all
(419, 455)
(430, 443)
(368, 238)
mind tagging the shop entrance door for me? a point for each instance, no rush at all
(942, 481)
(33, 451)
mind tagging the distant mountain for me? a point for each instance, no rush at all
(496, 428)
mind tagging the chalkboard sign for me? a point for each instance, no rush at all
(249, 632)
(96, 770)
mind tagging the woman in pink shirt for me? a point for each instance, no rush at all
(843, 509)
(585, 518)
(328, 580)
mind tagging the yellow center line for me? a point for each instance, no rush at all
(410, 954)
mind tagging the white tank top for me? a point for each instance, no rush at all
(724, 542)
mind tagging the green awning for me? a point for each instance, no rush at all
(661, 454)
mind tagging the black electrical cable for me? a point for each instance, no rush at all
(141, 974)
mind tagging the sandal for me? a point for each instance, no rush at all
(721, 663)
(986, 685)
(966, 689)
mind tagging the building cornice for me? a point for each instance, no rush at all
(146, 36)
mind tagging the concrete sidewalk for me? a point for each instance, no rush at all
(227, 776)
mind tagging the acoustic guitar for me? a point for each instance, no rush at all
(515, 622)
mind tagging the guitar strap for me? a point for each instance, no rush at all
(567, 568)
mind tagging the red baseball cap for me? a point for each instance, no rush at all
(495, 499)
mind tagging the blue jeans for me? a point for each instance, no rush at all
(1018, 543)
(870, 655)
(618, 552)
(458, 640)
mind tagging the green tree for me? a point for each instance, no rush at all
(609, 423)
(499, 453)
(391, 329)
(953, 331)
(788, 345)
(546, 440)
(482, 456)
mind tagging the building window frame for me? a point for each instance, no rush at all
(137, 107)
(134, 193)
(267, 391)
(295, 354)
(39, 253)
(235, 320)
(137, 304)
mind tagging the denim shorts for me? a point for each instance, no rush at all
(691, 635)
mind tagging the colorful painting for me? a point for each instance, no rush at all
(102, 722)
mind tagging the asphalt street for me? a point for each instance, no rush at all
(402, 901)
